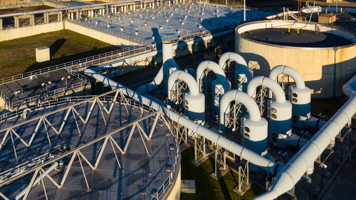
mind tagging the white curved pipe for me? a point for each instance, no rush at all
(298, 165)
(156, 52)
(187, 78)
(349, 88)
(227, 144)
(246, 100)
(235, 57)
(168, 62)
(271, 84)
(220, 74)
(282, 69)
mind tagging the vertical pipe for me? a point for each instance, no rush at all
(334, 92)
(244, 10)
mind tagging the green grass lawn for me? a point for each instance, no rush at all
(19, 55)
(209, 188)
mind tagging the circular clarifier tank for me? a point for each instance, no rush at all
(322, 54)
(293, 38)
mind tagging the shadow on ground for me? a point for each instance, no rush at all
(64, 59)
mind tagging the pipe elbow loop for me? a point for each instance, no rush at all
(283, 69)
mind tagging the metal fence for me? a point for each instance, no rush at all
(84, 62)
(49, 94)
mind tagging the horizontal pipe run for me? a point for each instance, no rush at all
(221, 141)
(306, 156)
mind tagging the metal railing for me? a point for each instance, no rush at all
(203, 33)
(84, 62)
(49, 94)
(52, 102)
(170, 179)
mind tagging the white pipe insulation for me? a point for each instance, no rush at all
(267, 82)
(300, 95)
(194, 101)
(306, 156)
(235, 57)
(168, 66)
(282, 69)
(349, 88)
(159, 78)
(242, 76)
(223, 142)
(219, 86)
(187, 78)
(280, 114)
(209, 65)
(255, 128)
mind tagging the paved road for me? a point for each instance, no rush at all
(182, 63)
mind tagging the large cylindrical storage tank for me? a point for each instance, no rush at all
(219, 89)
(300, 99)
(279, 122)
(255, 137)
(322, 54)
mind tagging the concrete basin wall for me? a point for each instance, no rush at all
(324, 69)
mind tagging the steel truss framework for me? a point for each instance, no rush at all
(177, 95)
(207, 79)
(261, 99)
(155, 118)
(234, 123)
